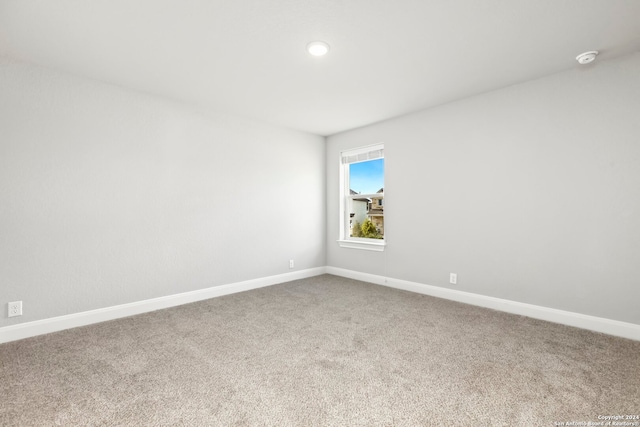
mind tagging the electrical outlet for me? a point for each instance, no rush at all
(453, 278)
(15, 308)
(290, 263)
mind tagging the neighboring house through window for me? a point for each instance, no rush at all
(362, 198)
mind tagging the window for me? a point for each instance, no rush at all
(362, 195)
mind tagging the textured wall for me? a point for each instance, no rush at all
(109, 196)
(530, 193)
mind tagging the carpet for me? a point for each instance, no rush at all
(323, 351)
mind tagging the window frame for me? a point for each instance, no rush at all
(345, 240)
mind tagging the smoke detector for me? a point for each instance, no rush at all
(587, 57)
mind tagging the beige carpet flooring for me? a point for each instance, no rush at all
(320, 351)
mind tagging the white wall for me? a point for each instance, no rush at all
(109, 196)
(530, 193)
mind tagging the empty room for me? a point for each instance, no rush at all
(320, 213)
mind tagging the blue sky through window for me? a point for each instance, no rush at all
(367, 177)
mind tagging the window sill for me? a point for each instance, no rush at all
(363, 244)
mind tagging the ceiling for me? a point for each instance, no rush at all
(248, 57)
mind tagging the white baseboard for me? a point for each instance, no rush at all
(597, 324)
(45, 326)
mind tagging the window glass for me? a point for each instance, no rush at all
(364, 202)
(366, 177)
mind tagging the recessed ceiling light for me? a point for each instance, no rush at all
(318, 48)
(587, 57)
